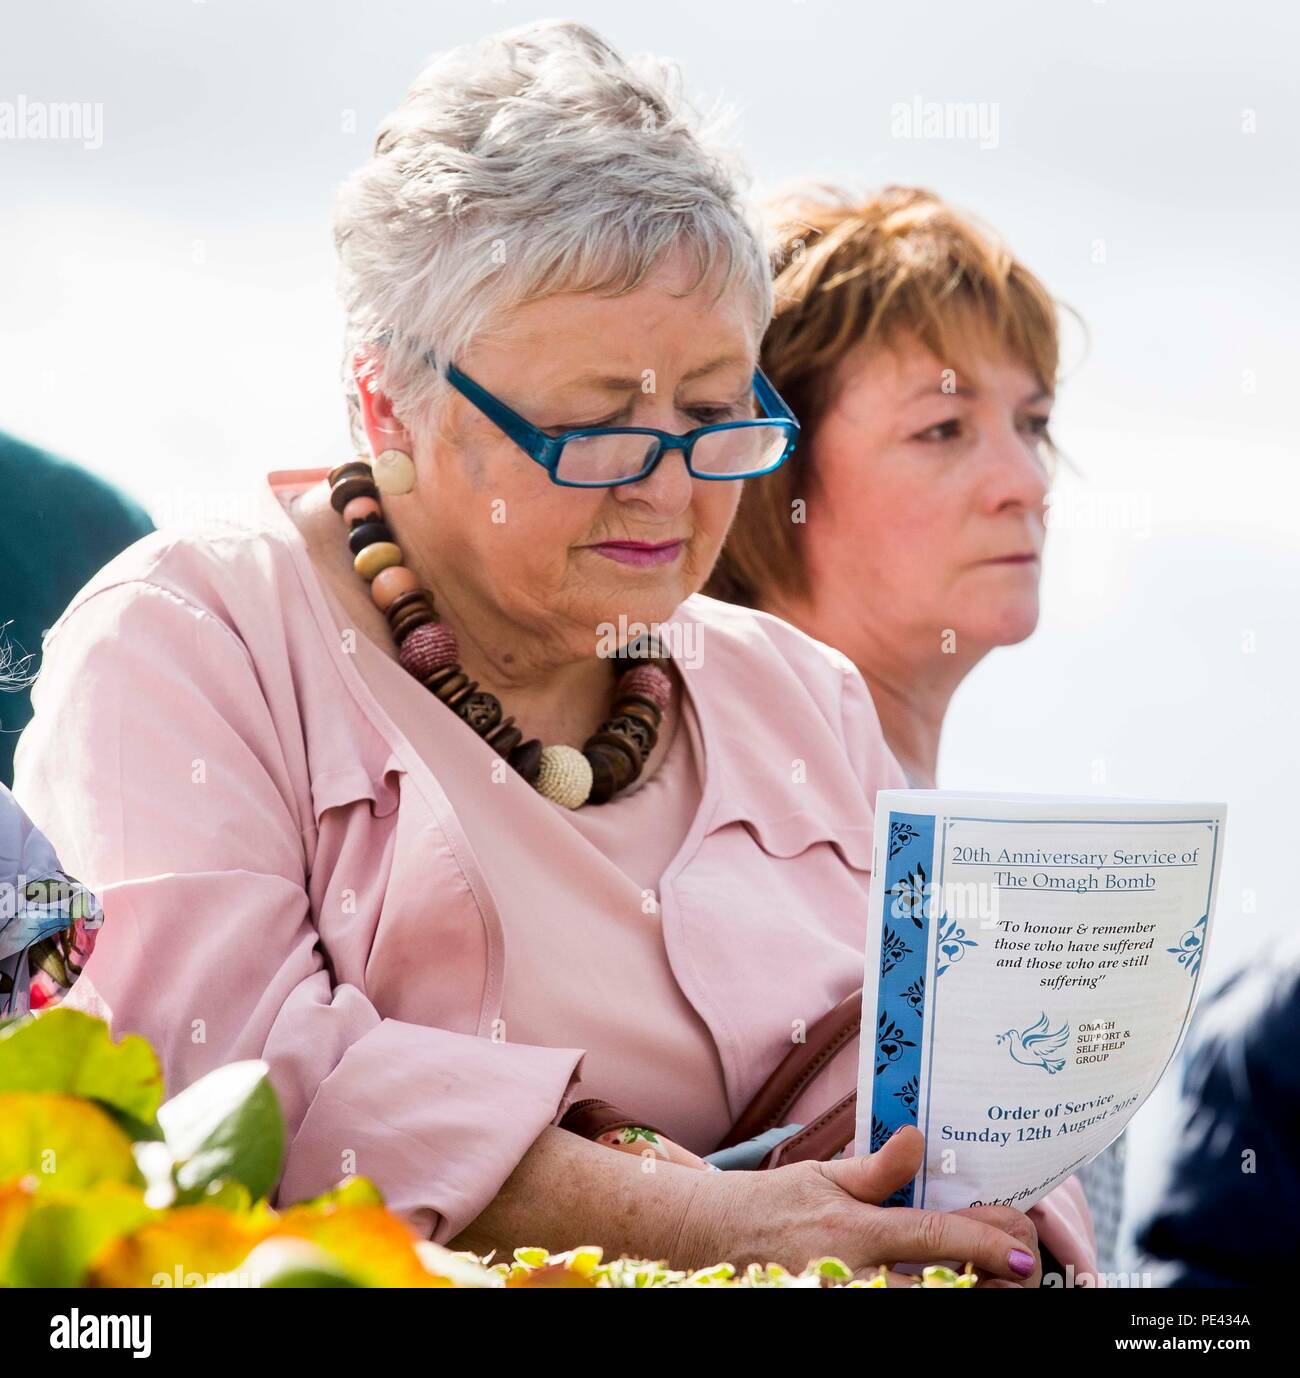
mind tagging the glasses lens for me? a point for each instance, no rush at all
(738, 451)
(598, 459)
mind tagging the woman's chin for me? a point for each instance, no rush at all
(629, 612)
(646, 593)
(1009, 624)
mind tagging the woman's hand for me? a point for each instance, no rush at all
(806, 1210)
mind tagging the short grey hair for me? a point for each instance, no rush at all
(534, 162)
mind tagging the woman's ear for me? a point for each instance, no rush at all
(384, 430)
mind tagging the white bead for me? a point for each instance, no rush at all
(394, 472)
(564, 776)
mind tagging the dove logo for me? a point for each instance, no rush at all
(1037, 1044)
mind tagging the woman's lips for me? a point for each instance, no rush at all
(641, 553)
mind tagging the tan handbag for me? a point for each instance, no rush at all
(824, 1138)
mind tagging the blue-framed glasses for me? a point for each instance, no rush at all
(607, 456)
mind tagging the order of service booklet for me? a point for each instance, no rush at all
(1032, 965)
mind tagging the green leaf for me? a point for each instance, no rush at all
(138, 1131)
(73, 1053)
(226, 1125)
(229, 1195)
(295, 1263)
(60, 1141)
(352, 1191)
(62, 1232)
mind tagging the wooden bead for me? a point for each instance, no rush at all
(457, 684)
(444, 683)
(604, 784)
(346, 489)
(482, 711)
(646, 649)
(635, 708)
(361, 510)
(505, 738)
(406, 622)
(564, 777)
(612, 771)
(390, 584)
(526, 759)
(432, 681)
(381, 555)
(453, 698)
(367, 533)
(416, 604)
(352, 468)
(617, 742)
(635, 729)
(625, 770)
(626, 702)
(412, 598)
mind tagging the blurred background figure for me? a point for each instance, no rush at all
(61, 524)
(1229, 1210)
(48, 920)
(907, 529)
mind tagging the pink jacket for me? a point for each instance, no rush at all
(283, 877)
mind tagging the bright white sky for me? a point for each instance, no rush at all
(167, 312)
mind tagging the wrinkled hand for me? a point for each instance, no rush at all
(806, 1210)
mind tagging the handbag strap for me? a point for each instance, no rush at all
(795, 1073)
(821, 1140)
(828, 1135)
(593, 1117)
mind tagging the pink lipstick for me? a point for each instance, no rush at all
(644, 554)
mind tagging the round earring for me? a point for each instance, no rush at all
(394, 472)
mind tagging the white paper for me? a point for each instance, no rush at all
(1032, 966)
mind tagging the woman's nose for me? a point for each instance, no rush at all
(1017, 475)
(665, 492)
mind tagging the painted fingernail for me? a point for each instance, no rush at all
(1021, 1262)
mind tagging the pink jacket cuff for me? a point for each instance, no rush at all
(1064, 1225)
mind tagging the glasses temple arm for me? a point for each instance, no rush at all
(534, 442)
(774, 405)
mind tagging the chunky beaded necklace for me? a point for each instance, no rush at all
(609, 760)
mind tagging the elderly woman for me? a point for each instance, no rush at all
(921, 357)
(365, 792)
